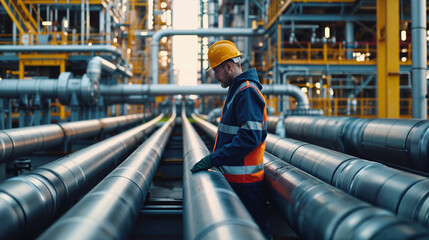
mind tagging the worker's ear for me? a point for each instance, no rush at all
(228, 66)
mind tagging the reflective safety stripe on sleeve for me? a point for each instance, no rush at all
(240, 170)
(250, 125)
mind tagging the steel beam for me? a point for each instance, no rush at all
(388, 58)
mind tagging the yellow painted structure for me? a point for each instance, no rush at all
(388, 58)
(42, 60)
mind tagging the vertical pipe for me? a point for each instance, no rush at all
(14, 33)
(87, 20)
(349, 39)
(67, 15)
(247, 39)
(108, 24)
(82, 21)
(102, 29)
(419, 54)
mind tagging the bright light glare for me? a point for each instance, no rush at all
(327, 32)
(403, 35)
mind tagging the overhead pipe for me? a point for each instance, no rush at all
(123, 190)
(316, 210)
(211, 209)
(97, 64)
(419, 58)
(158, 35)
(399, 192)
(402, 193)
(23, 141)
(61, 48)
(62, 88)
(31, 201)
(214, 114)
(201, 89)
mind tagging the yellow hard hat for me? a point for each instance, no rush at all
(221, 51)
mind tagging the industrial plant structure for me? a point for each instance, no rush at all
(97, 138)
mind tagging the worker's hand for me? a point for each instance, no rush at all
(203, 164)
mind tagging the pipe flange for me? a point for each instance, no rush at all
(62, 87)
(89, 91)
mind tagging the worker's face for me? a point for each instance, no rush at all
(223, 74)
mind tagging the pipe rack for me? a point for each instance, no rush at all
(33, 200)
(110, 210)
(22, 141)
(211, 209)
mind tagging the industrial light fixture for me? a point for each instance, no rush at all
(327, 32)
(304, 90)
(403, 35)
(46, 23)
(66, 23)
(318, 85)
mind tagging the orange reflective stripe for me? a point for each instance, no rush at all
(246, 178)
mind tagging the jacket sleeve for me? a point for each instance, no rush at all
(249, 107)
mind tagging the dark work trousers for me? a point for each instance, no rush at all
(253, 199)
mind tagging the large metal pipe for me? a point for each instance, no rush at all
(97, 64)
(399, 141)
(59, 48)
(31, 201)
(211, 209)
(201, 89)
(62, 88)
(123, 191)
(419, 58)
(316, 210)
(197, 32)
(399, 192)
(88, 91)
(23, 141)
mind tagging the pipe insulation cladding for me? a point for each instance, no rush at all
(211, 209)
(85, 89)
(23, 141)
(30, 202)
(316, 210)
(400, 141)
(402, 193)
(201, 89)
(110, 210)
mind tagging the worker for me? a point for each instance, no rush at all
(240, 140)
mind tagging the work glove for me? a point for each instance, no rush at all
(203, 164)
